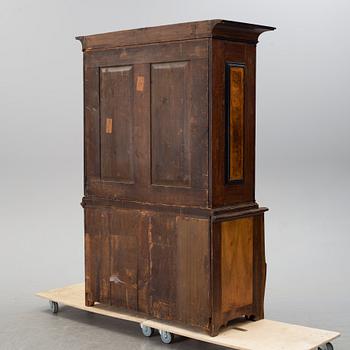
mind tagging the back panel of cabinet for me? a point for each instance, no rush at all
(145, 139)
(150, 262)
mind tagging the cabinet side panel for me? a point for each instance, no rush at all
(238, 269)
(233, 123)
(116, 104)
(237, 263)
(170, 151)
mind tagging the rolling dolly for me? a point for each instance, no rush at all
(248, 335)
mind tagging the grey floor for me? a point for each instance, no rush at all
(307, 242)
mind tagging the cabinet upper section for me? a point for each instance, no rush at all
(216, 28)
(172, 122)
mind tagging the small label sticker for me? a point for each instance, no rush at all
(109, 123)
(140, 83)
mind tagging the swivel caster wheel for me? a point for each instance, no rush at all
(327, 346)
(166, 337)
(147, 331)
(53, 306)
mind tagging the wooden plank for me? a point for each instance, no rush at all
(125, 228)
(123, 271)
(193, 271)
(165, 52)
(162, 253)
(97, 254)
(260, 335)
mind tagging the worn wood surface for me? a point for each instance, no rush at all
(242, 191)
(260, 335)
(157, 148)
(172, 229)
(236, 263)
(219, 28)
(235, 84)
(149, 262)
(117, 89)
(238, 269)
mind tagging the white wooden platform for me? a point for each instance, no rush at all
(259, 335)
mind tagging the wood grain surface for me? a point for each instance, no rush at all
(172, 229)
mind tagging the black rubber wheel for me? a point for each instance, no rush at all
(327, 346)
(330, 346)
(53, 306)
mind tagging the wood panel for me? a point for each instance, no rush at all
(125, 227)
(234, 121)
(165, 52)
(162, 245)
(170, 148)
(141, 125)
(193, 271)
(165, 125)
(97, 256)
(116, 110)
(144, 263)
(91, 124)
(236, 263)
(123, 276)
(225, 192)
(238, 268)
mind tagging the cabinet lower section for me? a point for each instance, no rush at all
(200, 271)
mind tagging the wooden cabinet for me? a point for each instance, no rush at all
(172, 229)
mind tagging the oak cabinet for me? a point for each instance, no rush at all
(172, 229)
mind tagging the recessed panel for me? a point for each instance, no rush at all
(170, 139)
(116, 107)
(237, 263)
(235, 122)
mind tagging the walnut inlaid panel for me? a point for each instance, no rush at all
(236, 263)
(116, 106)
(235, 122)
(170, 148)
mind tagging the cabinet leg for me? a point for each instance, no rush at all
(254, 317)
(214, 330)
(89, 301)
